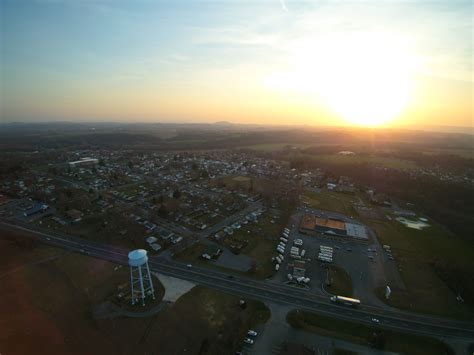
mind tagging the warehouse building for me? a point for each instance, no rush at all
(311, 224)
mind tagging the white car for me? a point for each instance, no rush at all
(248, 341)
(189, 266)
(252, 333)
(375, 320)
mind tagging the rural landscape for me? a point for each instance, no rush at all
(383, 225)
(271, 177)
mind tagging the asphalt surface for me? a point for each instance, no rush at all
(262, 290)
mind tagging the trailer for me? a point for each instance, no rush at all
(326, 255)
(353, 302)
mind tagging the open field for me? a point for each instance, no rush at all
(362, 334)
(418, 253)
(268, 147)
(421, 256)
(360, 159)
(463, 153)
(330, 201)
(364, 159)
(340, 282)
(48, 297)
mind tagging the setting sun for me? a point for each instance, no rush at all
(366, 79)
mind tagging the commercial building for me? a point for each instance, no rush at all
(311, 224)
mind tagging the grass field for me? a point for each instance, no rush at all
(277, 146)
(463, 153)
(340, 282)
(415, 252)
(363, 159)
(48, 298)
(330, 201)
(363, 334)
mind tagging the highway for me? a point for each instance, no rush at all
(262, 290)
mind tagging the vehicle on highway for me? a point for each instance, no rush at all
(345, 300)
(189, 266)
(252, 333)
(375, 320)
(48, 238)
(248, 341)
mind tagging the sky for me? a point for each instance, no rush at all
(367, 62)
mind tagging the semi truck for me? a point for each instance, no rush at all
(345, 301)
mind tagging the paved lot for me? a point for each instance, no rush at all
(174, 287)
(367, 269)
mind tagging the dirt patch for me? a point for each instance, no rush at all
(174, 288)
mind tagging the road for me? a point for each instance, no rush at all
(262, 290)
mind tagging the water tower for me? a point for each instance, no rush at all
(140, 277)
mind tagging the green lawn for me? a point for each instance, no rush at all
(363, 334)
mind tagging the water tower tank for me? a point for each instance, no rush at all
(137, 257)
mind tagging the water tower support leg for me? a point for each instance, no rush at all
(141, 285)
(150, 281)
(131, 285)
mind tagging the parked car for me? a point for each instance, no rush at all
(248, 341)
(252, 333)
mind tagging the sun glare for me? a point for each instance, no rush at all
(366, 79)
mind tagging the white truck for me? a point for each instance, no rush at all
(345, 300)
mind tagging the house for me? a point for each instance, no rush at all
(155, 246)
(211, 252)
(36, 208)
(74, 215)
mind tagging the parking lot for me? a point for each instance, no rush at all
(367, 264)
